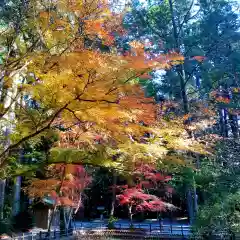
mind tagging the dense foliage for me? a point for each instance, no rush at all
(132, 108)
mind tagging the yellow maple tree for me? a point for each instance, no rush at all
(77, 85)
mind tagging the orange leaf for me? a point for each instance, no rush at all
(199, 58)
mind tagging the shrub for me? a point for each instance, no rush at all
(111, 222)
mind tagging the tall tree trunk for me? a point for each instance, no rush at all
(181, 70)
(5, 99)
(3, 181)
(67, 214)
(62, 223)
(225, 122)
(191, 192)
(190, 205)
(195, 200)
(183, 89)
(17, 189)
(221, 122)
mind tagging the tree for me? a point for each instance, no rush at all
(73, 79)
(87, 95)
(219, 212)
(224, 55)
(136, 196)
(207, 63)
(62, 187)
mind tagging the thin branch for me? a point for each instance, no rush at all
(126, 81)
(146, 22)
(16, 62)
(97, 100)
(3, 154)
(74, 114)
(37, 132)
(185, 18)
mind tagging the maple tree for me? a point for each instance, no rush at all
(136, 196)
(62, 188)
(67, 77)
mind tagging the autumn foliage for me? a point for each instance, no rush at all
(76, 75)
(87, 90)
(63, 185)
(137, 196)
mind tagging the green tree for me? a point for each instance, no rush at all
(218, 182)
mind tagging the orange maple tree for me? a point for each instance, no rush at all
(64, 183)
(63, 186)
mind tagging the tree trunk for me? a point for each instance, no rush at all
(183, 89)
(3, 181)
(52, 218)
(234, 125)
(130, 214)
(17, 196)
(113, 194)
(17, 189)
(2, 197)
(191, 193)
(195, 199)
(195, 188)
(55, 205)
(62, 223)
(67, 214)
(181, 70)
(225, 114)
(190, 205)
(223, 122)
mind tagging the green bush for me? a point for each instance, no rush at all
(223, 215)
(218, 185)
(111, 222)
(131, 227)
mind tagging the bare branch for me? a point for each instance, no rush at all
(185, 17)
